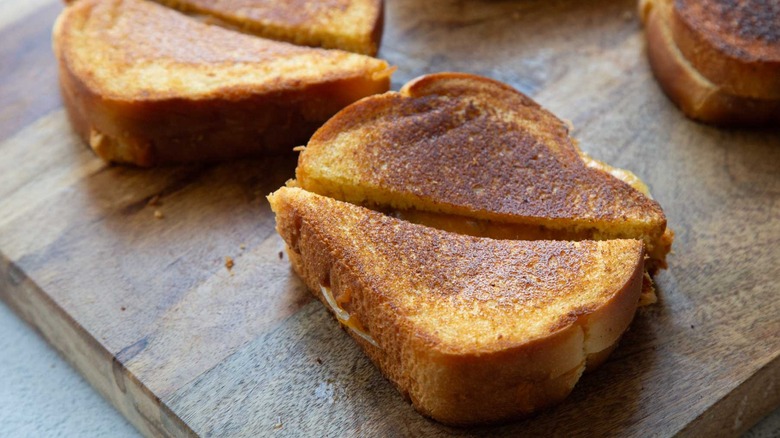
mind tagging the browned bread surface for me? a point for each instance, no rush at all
(147, 85)
(467, 146)
(353, 25)
(696, 95)
(735, 44)
(473, 330)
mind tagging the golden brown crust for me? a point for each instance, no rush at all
(696, 96)
(472, 330)
(472, 147)
(734, 44)
(352, 25)
(201, 93)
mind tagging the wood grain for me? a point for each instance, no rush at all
(145, 308)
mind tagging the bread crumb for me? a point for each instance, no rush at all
(281, 255)
(242, 246)
(569, 125)
(158, 214)
(299, 148)
(154, 201)
(278, 424)
(123, 308)
(229, 263)
(319, 361)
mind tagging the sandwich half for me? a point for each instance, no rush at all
(352, 25)
(472, 155)
(144, 84)
(472, 330)
(718, 61)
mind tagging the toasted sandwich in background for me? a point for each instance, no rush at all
(147, 85)
(471, 330)
(352, 25)
(718, 61)
(468, 154)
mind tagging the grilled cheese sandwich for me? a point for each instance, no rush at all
(146, 85)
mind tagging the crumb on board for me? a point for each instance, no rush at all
(158, 214)
(281, 255)
(569, 125)
(319, 361)
(229, 263)
(123, 308)
(278, 424)
(242, 246)
(154, 201)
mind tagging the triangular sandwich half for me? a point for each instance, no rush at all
(470, 154)
(472, 330)
(147, 85)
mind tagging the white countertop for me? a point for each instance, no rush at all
(42, 396)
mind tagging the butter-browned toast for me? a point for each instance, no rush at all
(718, 61)
(472, 155)
(353, 25)
(147, 85)
(471, 330)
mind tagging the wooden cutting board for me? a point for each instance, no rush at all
(145, 308)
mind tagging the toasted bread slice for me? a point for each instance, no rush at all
(353, 25)
(147, 85)
(472, 330)
(469, 154)
(735, 45)
(714, 83)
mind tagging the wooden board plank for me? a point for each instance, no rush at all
(146, 309)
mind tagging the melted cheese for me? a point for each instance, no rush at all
(345, 318)
(626, 176)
